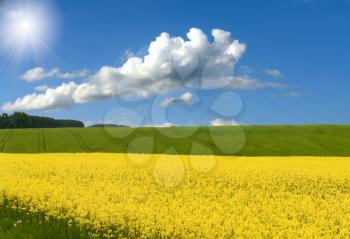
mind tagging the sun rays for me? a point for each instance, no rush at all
(27, 30)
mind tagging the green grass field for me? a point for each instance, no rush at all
(20, 224)
(316, 140)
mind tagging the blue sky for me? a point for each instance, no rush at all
(295, 61)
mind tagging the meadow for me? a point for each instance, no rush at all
(310, 140)
(177, 182)
(171, 196)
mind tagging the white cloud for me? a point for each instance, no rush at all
(295, 94)
(274, 73)
(222, 122)
(165, 125)
(91, 123)
(246, 83)
(74, 74)
(171, 63)
(41, 88)
(246, 70)
(185, 99)
(39, 73)
(59, 97)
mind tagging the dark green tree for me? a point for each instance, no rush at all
(20, 120)
(23, 120)
(5, 121)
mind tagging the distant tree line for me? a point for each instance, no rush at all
(23, 120)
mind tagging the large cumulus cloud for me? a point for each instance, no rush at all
(171, 63)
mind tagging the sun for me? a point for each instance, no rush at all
(27, 30)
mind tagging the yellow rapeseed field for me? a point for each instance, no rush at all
(184, 196)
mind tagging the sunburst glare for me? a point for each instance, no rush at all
(27, 29)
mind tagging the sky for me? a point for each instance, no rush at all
(160, 63)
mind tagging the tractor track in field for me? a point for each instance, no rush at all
(113, 141)
(38, 140)
(5, 139)
(43, 137)
(83, 146)
(131, 149)
(4, 136)
(41, 141)
(161, 140)
(211, 145)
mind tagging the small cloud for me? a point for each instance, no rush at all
(275, 85)
(246, 70)
(274, 73)
(289, 94)
(295, 94)
(88, 123)
(74, 74)
(165, 125)
(41, 88)
(248, 83)
(91, 123)
(222, 122)
(39, 73)
(184, 99)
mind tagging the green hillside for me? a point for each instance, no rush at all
(332, 140)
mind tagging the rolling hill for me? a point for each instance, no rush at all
(322, 140)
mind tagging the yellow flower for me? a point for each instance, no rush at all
(242, 197)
